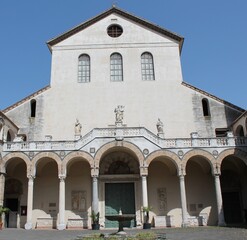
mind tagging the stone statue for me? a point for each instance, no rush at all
(119, 111)
(77, 128)
(160, 126)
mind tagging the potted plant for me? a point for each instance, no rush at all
(95, 220)
(146, 224)
(2, 211)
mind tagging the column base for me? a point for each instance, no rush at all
(222, 224)
(185, 225)
(61, 226)
(28, 226)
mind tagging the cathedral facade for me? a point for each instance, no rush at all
(119, 131)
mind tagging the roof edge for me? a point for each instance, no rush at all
(25, 99)
(214, 97)
(4, 116)
(114, 9)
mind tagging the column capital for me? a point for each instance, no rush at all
(30, 177)
(181, 171)
(94, 172)
(216, 169)
(61, 177)
(144, 171)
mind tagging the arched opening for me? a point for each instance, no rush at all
(163, 193)
(234, 191)
(10, 135)
(240, 131)
(200, 192)
(119, 177)
(78, 192)
(15, 193)
(205, 107)
(46, 193)
(33, 108)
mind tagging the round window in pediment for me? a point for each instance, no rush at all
(114, 30)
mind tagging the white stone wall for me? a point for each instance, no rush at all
(178, 106)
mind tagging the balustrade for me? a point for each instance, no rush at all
(127, 132)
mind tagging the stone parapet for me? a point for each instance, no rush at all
(120, 134)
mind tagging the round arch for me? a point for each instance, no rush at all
(236, 152)
(123, 145)
(239, 131)
(50, 155)
(10, 156)
(164, 153)
(200, 153)
(73, 155)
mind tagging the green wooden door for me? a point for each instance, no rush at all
(119, 196)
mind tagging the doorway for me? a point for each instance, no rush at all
(119, 196)
(232, 207)
(11, 218)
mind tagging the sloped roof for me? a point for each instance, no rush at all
(26, 99)
(213, 97)
(2, 115)
(120, 12)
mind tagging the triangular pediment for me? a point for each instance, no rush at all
(141, 22)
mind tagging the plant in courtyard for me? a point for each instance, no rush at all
(95, 220)
(95, 217)
(3, 210)
(147, 224)
(146, 211)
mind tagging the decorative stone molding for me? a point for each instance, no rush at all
(144, 171)
(95, 172)
(120, 133)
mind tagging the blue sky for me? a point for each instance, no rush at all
(213, 56)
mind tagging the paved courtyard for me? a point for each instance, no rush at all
(199, 233)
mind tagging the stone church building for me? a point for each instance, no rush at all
(117, 130)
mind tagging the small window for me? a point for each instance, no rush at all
(114, 31)
(8, 137)
(205, 108)
(33, 108)
(84, 68)
(221, 132)
(147, 65)
(116, 67)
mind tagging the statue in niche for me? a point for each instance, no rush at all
(160, 126)
(119, 111)
(77, 127)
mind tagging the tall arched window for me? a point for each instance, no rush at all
(84, 68)
(147, 64)
(240, 131)
(8, 137)
(33, 108)
(205, 108)
(116, 67)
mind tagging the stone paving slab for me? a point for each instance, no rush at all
(199, 233)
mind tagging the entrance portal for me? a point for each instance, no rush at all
(12, 204)
(119, 196)
(232, 207)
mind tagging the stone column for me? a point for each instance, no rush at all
(2, 185)
(221, 218)
(183, 201)
(95, 203)
(61, 222)
(144, 192)
(29, 224)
